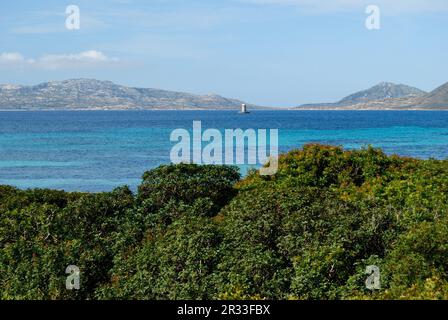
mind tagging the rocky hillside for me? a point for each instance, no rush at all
(382, 91)
(87, 94)
(437, 99)
(384, 95)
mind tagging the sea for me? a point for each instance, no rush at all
(98, 151)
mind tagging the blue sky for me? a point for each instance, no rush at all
(268, 52)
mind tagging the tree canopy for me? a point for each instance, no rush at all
(200, 232)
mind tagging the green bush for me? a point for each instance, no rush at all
(198, 232)
(39, 240)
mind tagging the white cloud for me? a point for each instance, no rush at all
(91, 58)
(13, 57)
(83, 59)
(388, 6)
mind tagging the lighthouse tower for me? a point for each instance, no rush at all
(244, 109)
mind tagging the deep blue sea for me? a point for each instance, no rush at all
(100, 150)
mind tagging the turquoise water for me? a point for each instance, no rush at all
(99, 150)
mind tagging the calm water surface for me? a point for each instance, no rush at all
(100, 150)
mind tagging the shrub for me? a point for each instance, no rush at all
(197, 232)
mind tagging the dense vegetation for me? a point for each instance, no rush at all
(199, 232)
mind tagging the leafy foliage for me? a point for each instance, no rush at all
(198, 232)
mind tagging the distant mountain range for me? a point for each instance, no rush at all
(87, 94)
(389, 96)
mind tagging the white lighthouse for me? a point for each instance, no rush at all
(244, 109)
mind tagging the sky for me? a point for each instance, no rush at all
(266, 52)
